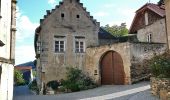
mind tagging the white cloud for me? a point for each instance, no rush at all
(25, 28)
(52, 2)
(127, 15)
(24, 35)
(101, 14)
(24, 54)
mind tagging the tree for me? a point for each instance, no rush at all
(116, 30)
(18, 78)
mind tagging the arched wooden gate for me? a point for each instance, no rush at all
(112, 69)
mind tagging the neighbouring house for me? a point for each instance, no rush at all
(68, 36)
(27, 72)
(149, 24)
(7, 47)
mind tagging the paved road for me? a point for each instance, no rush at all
(140, 91)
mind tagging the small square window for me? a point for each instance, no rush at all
(62, 15)
(78, 16)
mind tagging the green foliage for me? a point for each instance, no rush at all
(116, 30)
(53, 84)
(160, 66)
(34, 73)
(18, 78)
(77, 80)
(33, 86)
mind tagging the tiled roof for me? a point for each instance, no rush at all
(23, 67)
(160, 10)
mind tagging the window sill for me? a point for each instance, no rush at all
(59, 52)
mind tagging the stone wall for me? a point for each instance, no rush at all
(161, 88)
(94, 55)
(140, 54)
(157, 31)
(167, 6)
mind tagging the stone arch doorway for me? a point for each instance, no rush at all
(112, 69)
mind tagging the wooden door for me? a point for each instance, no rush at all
(112, 71)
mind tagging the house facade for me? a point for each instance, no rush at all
(69, 37)
(7, 47)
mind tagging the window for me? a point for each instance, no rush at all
(59, 46)
(38, 47)
(62, 15)
(149, 37)
(78, 16)
(79, 44)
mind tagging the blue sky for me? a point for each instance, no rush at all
(29, 12)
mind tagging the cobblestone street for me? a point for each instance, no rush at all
(140, 91)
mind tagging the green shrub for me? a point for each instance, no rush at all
(160, 66)
(53, 84)
(18, 78)
(33, 86)
(77, 80)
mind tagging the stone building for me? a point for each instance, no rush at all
(69, 37)
(7, 46)
(149, 24)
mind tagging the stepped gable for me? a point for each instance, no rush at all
(49, 12)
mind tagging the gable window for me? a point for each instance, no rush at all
(149, 38)
(78, 16)
(59, 44)
(62, 15)
(79, 44)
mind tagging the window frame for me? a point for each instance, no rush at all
(149, 37)
(60, 39)
(79, 40)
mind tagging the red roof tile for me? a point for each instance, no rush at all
(23, 67)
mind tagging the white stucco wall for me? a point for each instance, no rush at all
(6, 85)
(5, 25)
